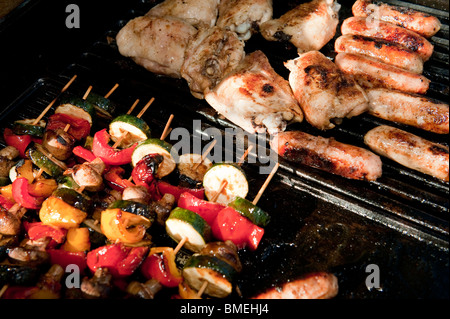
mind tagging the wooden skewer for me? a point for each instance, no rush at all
(133, 106)
(81, 189)
(145, 107)
(111, 91)
(180, 244)
(241, 161)
(202, 288)
(39, 173)
(221, 188)
(36, 121)
(2, 291)
(87, 92)
(166, 129)
(263, 188)
(205, 154)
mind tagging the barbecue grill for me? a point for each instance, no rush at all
(319, 221)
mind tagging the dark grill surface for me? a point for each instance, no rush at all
(319, 221)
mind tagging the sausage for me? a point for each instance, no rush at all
(320, 285)
(409, 150)
(410, 109)
(371, 73)
(328, 155)
(385, 51)
(422, 23)
(389, 32)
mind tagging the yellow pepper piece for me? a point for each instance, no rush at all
(169, 255)
(43, 187)
(56, 212)
(124, 227)
(6, 191)
(77, 239)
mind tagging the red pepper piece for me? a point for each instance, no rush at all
(176, 191)
(230, 225)
(6, 203)
(144, 171)
(20, 142)
(79, 128)
(114, 178)
(157, 266)
(109, 155)
(22, 196)
(83, 153)
(120, 260)
(38, 230)
(64, 258)
(206, 209)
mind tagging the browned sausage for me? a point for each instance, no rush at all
(410, 109)
(320, 285)
(422, 23)
(387, 52)
(389, 32)
(371, 73)
(409, 150)
(328, 155)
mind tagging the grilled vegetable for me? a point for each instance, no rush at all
(218, 273)
(233, 175)
(19, 142)
(129, 129)
(59, 143)
(188, 174)
(109, 155)
(23, 197)
(176, 191)
(145, 290)
(65, 258)
(183, 223)
(76, 106)
(206, 209)
(160, 265)
(77, 240)
(247, 209)
(146, 169)
(79, 127)
(20, 275)
(122, 226)
(26, 127)
(104, 107)
(135, 208)
(52, 167)
(73, 198)
(54, 211)
(155, 146)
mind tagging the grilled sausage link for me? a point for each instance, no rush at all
(387, 52)
(320, 285)
(371, 73)
(422, 23)
(389, 32)
(409, 150)
(410, 109)
(328, 155)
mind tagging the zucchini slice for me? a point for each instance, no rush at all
(75, 106)
(102, 105)
(237, 184)
(134, 208)
(42, 161)
(247, 209)
(183, 223)
(133, 128)
(73, 198)
(218, 273)
(26, 127)
(155, 146)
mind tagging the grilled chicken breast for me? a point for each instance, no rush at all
(319, 285)
(387, 52)
(326, 95)
(410, 109)
(156, 43)
(371, 73)
(390, 32)
(409, 150)
(328, 155)
(255, 97)
(196, 12)
(212, 53)
(309, 26)
(422, 23)
(244, 16)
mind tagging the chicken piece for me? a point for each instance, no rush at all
(385, 51)
(318, 285)
(255, 97)
(156, 43)
(309, 26)
(409, 150)
(244, 16)
(422, 23)
(410, 109)
(371, 73)
(324, 92)
(195, 12)
(328, 155)
(212, 53)
(389, 32)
